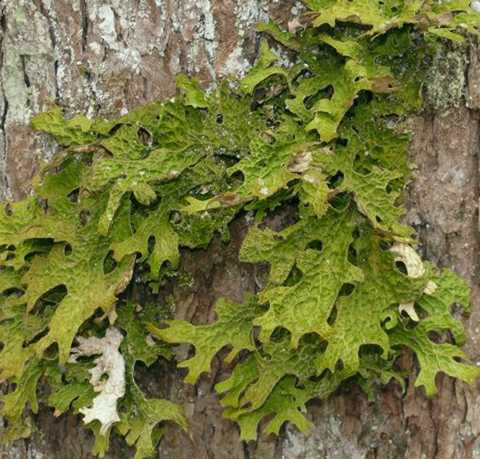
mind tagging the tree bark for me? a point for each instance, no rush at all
(105, 57)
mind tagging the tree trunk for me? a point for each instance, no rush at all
(105, 57)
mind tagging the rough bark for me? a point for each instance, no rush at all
(104, 57)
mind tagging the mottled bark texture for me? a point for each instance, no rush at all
(104, 57)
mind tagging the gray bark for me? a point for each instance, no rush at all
(104, 57)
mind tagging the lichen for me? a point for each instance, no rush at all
(445, 79)
(346, 291)
(110, 365)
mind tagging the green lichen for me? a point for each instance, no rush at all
(124, 196)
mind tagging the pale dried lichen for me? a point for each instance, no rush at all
(411, 259)
(110, 364)
(415, 269)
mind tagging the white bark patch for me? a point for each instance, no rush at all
(106, 25)
(246, 13)
(110, 364)
(236, 64)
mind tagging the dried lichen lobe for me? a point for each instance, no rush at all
(346, 292)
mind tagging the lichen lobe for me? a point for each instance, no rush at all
(107, 376)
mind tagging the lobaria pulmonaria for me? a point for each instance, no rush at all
(346, 291)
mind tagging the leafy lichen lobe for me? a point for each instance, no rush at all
(345, 294)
